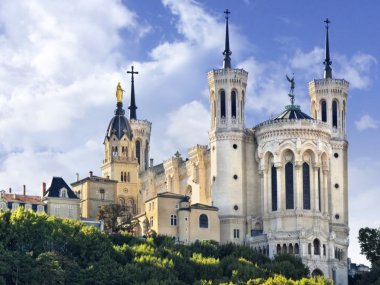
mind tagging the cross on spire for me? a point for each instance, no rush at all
(227, 52)
(327, 21)
(227, 13)
(132, 107)
(327, 62)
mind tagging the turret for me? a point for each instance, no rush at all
(228, 144)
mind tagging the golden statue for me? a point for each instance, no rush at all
(119, 93)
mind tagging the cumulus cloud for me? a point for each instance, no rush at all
(357, 69)
(188, 125)
(366, 122)
(57, 64)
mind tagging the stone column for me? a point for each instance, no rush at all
(297, 185)
(326, 198)
(262, 190)
(314, 190)
(266, 189)
(280, 189)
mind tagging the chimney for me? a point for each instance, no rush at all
(151, 162)
(77, 174)
(24, 190)
(10, 190)
(90, 173)
(43, 189)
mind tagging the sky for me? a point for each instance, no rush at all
(60, 62)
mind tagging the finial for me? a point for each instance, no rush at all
(119, 93)
(227, 52)
(119, 99)
(132, 107)
(291, 91)
(327, 62)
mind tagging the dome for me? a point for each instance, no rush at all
(293, 112)
(119, 124)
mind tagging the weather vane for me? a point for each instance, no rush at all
(291, 91)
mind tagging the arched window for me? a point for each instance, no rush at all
(309, 248)
(324, 250)
(278, 249)
(138, 151)
(335, 114)
(125, 176)
(122, 202)
(222, 104)
(306, 185)
(324, 111)
(316, 244)
(146, 155)
(296, 249)
(203, 221)
(290, 249)
(233, 104)
(274, 188)
(284, 248)
(289, 185)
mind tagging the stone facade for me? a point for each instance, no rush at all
(278, 187)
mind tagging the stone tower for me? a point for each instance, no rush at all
(227, 87)
(120, 162)
(140, 128)
(329, 103)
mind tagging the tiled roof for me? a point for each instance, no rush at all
(56, 185)
(27, 199)
(293, 112)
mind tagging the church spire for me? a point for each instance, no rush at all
(327, 62)
(227, 52)
(132, 107)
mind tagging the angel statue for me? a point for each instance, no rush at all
(291, 92)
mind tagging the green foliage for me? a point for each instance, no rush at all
(37, 249)
(369, 240)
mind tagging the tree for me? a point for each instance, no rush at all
(369, 240)
(115, 217)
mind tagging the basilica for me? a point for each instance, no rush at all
(279, 187)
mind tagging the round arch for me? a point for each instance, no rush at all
(317, 272)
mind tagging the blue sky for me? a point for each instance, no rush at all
(60, 62)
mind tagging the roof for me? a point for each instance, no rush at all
(119, 124)
(94, 178)
(168, 195)
(203, 207)
(293, 112)
(27, 199)
(56, 185)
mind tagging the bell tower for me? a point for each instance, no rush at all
(141, 129)
(227, 87)
(119, 161)
(328, 98)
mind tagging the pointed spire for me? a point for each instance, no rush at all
(327, 62)
(132, 107)
(227, 52)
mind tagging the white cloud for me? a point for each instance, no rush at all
(364, 194)
(366, 122)
(356, 70)
(188, 125)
